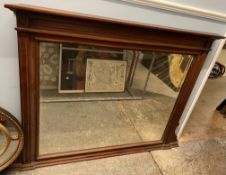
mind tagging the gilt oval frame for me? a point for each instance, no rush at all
(6, 116)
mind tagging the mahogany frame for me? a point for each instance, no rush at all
(36, 24)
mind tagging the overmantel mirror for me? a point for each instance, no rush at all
(94, 87)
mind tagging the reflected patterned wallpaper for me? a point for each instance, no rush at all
(49, 65)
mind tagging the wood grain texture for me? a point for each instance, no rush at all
(36, 24)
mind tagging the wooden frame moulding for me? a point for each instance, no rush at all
(37, 24)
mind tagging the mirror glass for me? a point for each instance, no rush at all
(93, 97)
(11, 140)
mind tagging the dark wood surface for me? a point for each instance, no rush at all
(36, 24)
(62, 13)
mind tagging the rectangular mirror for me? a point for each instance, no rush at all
(92, 97)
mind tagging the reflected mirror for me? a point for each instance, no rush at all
(11, 139)
(93, 97)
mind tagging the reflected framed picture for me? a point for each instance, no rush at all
(105, 75)
(73, 69)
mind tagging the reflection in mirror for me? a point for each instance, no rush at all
(93, 97)
(11, 139)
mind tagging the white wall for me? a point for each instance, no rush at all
(9, 74)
